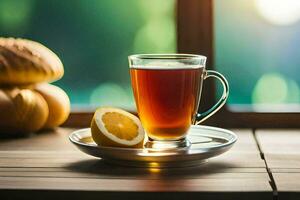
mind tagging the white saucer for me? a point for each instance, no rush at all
(206, 142)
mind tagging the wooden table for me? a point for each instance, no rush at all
(261, 165)
(281, 150)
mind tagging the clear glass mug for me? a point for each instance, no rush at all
(167, 90)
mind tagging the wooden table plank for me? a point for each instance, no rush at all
(246, 142)
(254, 184)
(288, 185)
(50, 162)
(287, 182)
(280, 141)
(56, 140)
(138, 174)
(285, 161)
(281, 150)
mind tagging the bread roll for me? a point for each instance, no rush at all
(8, 115)
(58, 104)
(22, 111)
(24, 62)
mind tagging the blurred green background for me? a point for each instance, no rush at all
(93, 38)
(257, 47)
(256, 44)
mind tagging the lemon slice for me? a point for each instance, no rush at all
(117, 128)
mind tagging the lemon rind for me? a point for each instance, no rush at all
(98, 119)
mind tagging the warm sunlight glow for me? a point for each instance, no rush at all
(154, 170)
(279, 12)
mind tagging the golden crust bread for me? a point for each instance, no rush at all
(24, 62)
(22, 111)
(58, 104)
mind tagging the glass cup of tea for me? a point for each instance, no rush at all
(167, 90)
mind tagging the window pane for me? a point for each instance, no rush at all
(93, 38)
(257, 48)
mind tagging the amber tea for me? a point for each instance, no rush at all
(166, 99)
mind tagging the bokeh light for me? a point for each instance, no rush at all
(156, 8)
(255, 39)
(279, 12)
(274, 88)
(293, 92)
(270, 88)
(15, 15)
(111, 94)
(156, 36)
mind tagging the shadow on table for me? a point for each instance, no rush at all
(102, 168)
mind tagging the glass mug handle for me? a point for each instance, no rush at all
(200, 117)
